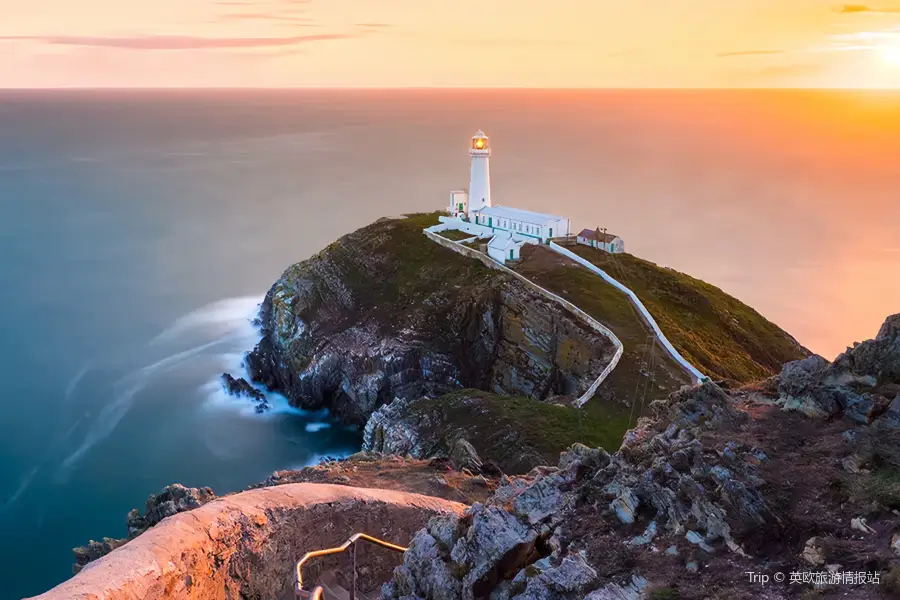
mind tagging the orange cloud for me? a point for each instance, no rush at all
(179, 42)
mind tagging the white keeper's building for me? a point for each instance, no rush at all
(509, 228)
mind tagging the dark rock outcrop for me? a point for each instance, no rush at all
(240, 387)
(862, 384)
(172, 500)
(385, 313)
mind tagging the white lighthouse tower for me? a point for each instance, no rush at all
(480, 177)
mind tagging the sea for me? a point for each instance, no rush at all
(140, 230)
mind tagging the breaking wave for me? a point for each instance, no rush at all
(230, 321)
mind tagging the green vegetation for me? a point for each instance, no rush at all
(876, 491)
(642, 355)
(455, 235)
(665, 593)
(517, 433)
(721, 335)
(397, 270)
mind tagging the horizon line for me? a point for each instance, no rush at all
(440, 87)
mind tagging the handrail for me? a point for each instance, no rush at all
(337, 550)
(318, 593)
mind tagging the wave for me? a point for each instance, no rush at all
(73, 384)
(23, 485)
(111, 414)
(230, 315)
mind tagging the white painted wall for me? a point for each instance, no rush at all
(479, 180)
(458, 198)
(465, 226)
(617, 246)
(501, 256)
(691, 369)
(542, 231)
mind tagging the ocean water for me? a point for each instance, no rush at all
(139, 231)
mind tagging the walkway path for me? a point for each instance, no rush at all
(591, 321)
(693, 371)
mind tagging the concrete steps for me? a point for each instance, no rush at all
(330, 582)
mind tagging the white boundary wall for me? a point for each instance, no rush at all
(481, 231)
(691, 369)
(591, 321)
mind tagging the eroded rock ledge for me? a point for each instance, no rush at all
(245, 545)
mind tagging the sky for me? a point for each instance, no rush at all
(422, 43)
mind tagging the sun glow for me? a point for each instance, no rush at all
(890, 54)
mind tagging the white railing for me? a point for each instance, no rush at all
(591, 321)
(691, 369)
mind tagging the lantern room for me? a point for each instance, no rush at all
(480, 143)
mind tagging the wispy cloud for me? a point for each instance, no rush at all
(178, 42)
(848, 9)
(259, 16)
(749, 53)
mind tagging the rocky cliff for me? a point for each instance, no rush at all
(798, 475)
(385, 313)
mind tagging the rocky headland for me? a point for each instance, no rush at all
(463, 379)
(384, 313)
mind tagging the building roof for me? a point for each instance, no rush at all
(519, 214)
(591, 234)
(505, 241)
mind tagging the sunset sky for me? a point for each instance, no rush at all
(532, 43)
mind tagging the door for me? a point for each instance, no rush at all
(510, 255)
(551, 232)
(490, 221)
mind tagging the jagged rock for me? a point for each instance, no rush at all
(859, 384)
(540, 500)
(646, 537)
(464, 456)
(93, 551)
(568, 581)
(424, 573)
(625, 504)
(895, 544)
(240, 387)
(798, 376)
(495, 546)
(580, 457)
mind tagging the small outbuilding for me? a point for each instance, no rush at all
(504, 247)
(601, 239)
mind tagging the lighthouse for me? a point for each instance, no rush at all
(480, 175)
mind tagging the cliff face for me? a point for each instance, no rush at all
(384, 313)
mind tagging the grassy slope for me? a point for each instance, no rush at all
(719, 334)
(519, 433)
(609, 306)
(397, 269)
